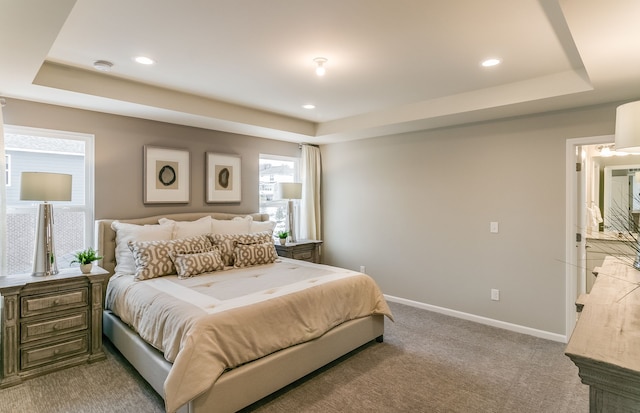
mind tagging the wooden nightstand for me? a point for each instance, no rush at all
(305, 250)
(48, 323)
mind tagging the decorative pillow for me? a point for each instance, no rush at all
(153, 258)
(226, 243)
(126, 233)
(261, 226)
(193, 263)
(237, 225)
(247, 255)
(185, 229)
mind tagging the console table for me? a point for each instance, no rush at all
(605, 344)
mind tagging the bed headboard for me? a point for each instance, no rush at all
(106, 236)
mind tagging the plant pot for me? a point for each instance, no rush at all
(283, 241)
(86, 268)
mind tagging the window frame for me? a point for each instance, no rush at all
(296, 178)
(89, 171)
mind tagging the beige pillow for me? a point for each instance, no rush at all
(126, 233)
(261, 226)
(186, 229)
(247, 255)
(193, 263)
(226, 243)
(153, 258)
(236, 225)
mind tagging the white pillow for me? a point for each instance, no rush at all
(131, 232)
(261, 226)
(236, 225)
(186, 229)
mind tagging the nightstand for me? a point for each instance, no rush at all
(305, 250)
(51, 322)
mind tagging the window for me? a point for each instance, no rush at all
(7, 174)
(39, 150)
(275, 169)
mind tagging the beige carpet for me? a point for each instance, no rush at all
(428, 363)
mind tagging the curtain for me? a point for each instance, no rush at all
(310, 214)
(3, 198)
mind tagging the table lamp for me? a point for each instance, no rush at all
(45, 186)
(290, 191)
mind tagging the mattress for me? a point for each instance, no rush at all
(227, 318)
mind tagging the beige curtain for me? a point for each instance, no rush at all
(3, 198)
(310, 214)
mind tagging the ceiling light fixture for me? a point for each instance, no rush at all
(491, 62)
(143, 60)
(309, 106)
(320, 69)
(102, 65)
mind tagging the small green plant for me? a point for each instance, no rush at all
(86, 257)
(283, 234)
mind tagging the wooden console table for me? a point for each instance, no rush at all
(605, 344)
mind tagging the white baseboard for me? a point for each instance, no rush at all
(479, 319)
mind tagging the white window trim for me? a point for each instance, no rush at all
(89, 141)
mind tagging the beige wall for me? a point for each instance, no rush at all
(415, 210)
(119, 145)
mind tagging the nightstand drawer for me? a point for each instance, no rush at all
(41, 304)
(34, 330)
(37, 356)
(303, 255)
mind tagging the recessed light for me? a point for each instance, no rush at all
(491, 62)
(143, 60)
(102, 65)
(309, 106)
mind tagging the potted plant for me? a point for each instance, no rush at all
(283, 237)
(85, 258)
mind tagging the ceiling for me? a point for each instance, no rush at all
(246, 66)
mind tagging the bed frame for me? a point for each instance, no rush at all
(242, 386)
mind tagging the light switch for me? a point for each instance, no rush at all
(493, 227)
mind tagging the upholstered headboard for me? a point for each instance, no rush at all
(106, 236)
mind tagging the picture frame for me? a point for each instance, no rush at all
(166, 175)
(223, 178)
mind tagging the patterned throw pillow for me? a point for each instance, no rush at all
(193, 263)
(247, 255)
(226, 243)
(153, 259)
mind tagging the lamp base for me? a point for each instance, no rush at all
(44, 257)
(292, 229)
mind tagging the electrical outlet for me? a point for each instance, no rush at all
(362, 269)
(493, 227)
(495, 294)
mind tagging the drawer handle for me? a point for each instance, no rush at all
(56, 301)
(56, 352)
(56, 327)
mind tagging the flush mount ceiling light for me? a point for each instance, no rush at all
(491, 62)
(320, 69)
(309, 106)
(102, 65)
(143, 60)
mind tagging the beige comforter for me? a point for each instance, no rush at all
(238, 316)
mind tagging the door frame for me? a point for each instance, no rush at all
(575, 211)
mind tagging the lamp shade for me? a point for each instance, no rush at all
(45, 186)
(627, 134)
(290, 190)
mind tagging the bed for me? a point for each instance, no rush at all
(250, 381)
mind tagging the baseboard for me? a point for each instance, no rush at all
(479, 319)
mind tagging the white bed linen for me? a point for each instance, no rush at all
(172, 314)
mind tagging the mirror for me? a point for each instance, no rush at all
(621, 198)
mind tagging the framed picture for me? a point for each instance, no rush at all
(166, 176)
(223, 178)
